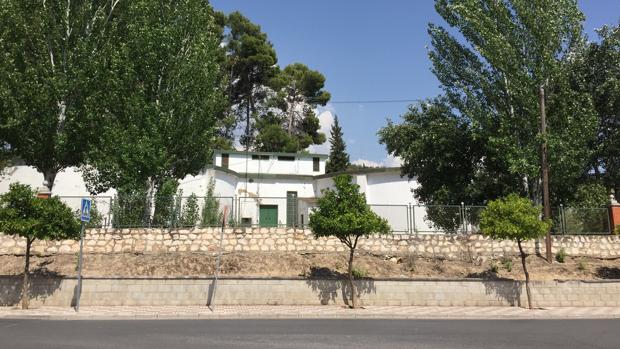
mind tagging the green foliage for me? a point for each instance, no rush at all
(166, 101)
(53, 70)
(359, 273)
(599, 66)
(251, 61)
(211, 215)
(512, 218)
(165, 204)
(560, 257)
(23, 214)
(96, 220)
(291, 125)
(129, 207)
(190, 214)
(480, 140)
(338, 156)
(343, 213)
(507, 264)
(616, 230)
(494, 268)
(590, 195)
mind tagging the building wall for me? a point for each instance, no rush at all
(243, 163)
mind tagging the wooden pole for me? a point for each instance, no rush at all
(545, 172)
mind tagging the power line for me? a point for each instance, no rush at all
(377, 101)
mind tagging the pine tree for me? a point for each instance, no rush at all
(338, 157)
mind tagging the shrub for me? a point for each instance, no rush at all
(616, 230)
(189, 217)
(359, 273)
(581, 265)
(560, 257)
(507, 263)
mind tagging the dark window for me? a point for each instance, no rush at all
(286, 158)
(260, 157)
(316, 165)
(225, 160)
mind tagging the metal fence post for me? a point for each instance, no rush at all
(463, 222)
(415, 230)
(562, 220)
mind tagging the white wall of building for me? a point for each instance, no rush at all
(243, 163)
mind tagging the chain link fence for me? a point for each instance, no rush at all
(192, 211)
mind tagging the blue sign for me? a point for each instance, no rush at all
(85, 211)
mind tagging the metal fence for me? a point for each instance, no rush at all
(292, 211)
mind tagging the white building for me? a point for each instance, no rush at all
(260, 188)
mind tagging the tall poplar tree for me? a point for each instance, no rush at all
(167, 98)
(52, 73)
(338, 157)
(481, 139)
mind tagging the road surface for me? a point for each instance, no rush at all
(445, 334)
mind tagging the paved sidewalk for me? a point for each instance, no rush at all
(306, 312)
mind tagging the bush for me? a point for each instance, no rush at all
(616, 230)
(359, 273)
(507, 263)
(560, 257)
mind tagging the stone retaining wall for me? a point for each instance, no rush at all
(281, 239)
(180, 291)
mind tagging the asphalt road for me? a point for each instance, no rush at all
(445, 334)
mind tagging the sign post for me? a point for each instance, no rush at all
(84, 217)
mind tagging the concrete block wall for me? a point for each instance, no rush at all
(282, 239)
(180, 291)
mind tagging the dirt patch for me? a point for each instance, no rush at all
(312, 265)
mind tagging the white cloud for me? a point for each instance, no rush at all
(326, 120)
(388, 161)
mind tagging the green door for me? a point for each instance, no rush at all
(291, 208)
(268, 216)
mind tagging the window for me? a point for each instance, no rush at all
(260, 157)
(316, 164)
(225, 160)
(286, 158)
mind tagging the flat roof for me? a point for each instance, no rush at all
(297, 176)
(241, 152)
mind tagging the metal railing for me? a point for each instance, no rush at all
(253, 211)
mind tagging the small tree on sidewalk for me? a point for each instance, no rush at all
(23, 214)
(514, 218)
(344, 214)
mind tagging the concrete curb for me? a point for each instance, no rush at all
(446, 313)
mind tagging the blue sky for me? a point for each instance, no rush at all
(367, 50)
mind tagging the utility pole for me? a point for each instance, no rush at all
(545, 171)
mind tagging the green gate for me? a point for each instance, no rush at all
(291, 208)
(268, 216)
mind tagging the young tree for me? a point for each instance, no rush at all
(52, 74)
(343, 213)
(23, 214)
(338, 156)
(514, 218)
(189, 217)
(168, 96)
(211, 215)
(481, 139)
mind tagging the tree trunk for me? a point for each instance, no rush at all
(49, 176)
(351, 281)
(527, 275)
(26, 274)
(148, 202)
